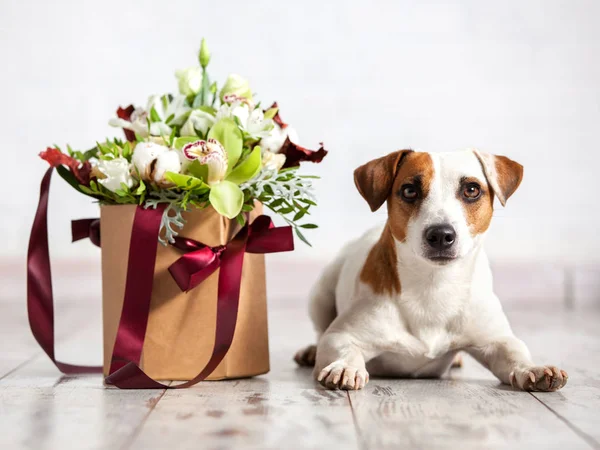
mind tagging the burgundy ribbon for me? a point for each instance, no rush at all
(197, 263)
(40, 301)
(86, 229)
(200, 260)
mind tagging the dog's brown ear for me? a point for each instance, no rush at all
(374, 179)
(503, 175)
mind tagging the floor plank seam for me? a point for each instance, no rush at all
(362, 444)
(128, 443)
(582, 434)
(19, 366)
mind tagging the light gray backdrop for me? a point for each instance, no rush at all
(521, 78)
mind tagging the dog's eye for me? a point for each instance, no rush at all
(471, 191)
(409, 192)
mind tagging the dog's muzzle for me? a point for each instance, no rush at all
(439, 243)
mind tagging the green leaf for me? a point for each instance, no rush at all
(276, 203)
(68, 176)
(154, 117)
(299, 215)
(241, 219)
(198, 170)
(208, 109)
(301, 236)
(227, 199)
(309, 226)
(140, 189)
(271, 112)
(247, 169)
(181, 142)
(230, 136)
(307, 201)
(185, 182)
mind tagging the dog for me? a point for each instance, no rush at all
(405, 298)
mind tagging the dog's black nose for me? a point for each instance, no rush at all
(440, 237)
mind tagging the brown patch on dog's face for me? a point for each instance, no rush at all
(380, 269)
(413, 178)
(374, 179)
(477, 199)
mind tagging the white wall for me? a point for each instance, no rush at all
(512, 77)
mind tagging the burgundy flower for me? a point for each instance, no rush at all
(125, 114)
(80, 170)
(294, 153)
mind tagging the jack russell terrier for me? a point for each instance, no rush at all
(405, 298)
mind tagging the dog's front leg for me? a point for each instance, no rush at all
(509, 359)
(340, 363)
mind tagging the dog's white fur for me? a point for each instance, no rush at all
(440, 310)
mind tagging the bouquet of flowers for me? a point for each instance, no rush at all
(200, 163)
(201, 147)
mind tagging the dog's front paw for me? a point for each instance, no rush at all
(339, 375)
(541, 378)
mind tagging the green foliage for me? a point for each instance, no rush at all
(271, 112)
(186, 182)
(285, 193)
(226, 198)
(229, 135)
(247, 169)
(198, 170)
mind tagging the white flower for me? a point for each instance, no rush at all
(153, 160)
(274, 141)
(272, 160)
(174, 110)
(212, 154)
(249, 119)
(189, 80)
(115, 171)
(198, 121)
(236, 85)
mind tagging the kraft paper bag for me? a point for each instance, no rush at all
(181, 326)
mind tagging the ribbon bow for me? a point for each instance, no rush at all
(200, 260)
(86, 229)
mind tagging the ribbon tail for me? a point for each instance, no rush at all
(40, 300)
(138, 288)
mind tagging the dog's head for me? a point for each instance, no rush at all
(439, 204)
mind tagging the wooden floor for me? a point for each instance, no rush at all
(469, 409)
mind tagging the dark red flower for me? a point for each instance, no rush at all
(125, 114)
(295, 154)
(80, 170)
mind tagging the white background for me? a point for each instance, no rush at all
(520, 78)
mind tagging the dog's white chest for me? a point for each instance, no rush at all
(434, 316)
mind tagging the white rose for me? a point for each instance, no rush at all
(190, 80)
(274, 141)
(116, 171)
(153, 160)
(199, 120)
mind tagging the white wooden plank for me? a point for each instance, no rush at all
(570, 340)
(455, 414)
(41, 408)
(284, 409)
(470, 409)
